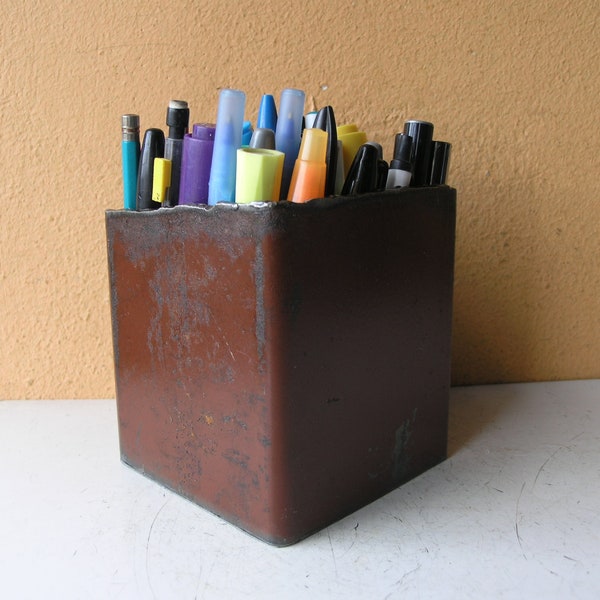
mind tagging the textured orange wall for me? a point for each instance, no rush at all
(513, 85)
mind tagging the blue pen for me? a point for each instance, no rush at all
(247, 132)
(228, 138)
(288, 134)
(267, 113)
(130, 153)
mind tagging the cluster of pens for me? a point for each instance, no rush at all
(290, 156)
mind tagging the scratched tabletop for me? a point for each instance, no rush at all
(513, 513)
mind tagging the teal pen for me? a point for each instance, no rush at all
(130, 151)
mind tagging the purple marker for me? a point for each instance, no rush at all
(196, 163)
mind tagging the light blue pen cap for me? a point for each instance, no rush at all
(228, 138)
(267, 113)
(247, 131)
(288, 133)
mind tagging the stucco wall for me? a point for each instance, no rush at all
(513, 85)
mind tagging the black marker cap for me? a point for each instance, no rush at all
(422, 135)
(153, 147)
(402, 152)
(178, 118)
(325, 120)
(363, 176)
(440, 161)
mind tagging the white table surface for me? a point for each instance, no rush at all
(513, 513)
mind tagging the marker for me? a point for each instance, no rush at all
(310, 171)
(289, 133)
(267, 113)
(228, 138)
(422, 134)
(263, 138)
(363, 176)
(161, 179)
(178, 118)
(352, 139)
(130, 155)
(400, 172)
(195, 164)
(258, 175)
(440, 161)
(325, 120)
(153, 147)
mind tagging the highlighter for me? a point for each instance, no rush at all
(195, 164)
(130, 154)
(422, 134)
(267, 113)
(228, 138)
(153, 147)
(400, 172)
(178, 118)
(258, 175)
(325, 120)
(161, 179)
(289, 133)
(352, 139)
(310, 170)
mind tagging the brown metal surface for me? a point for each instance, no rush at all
(284, 365)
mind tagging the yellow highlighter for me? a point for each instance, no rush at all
(161, 179)
(258, 175)
(352, 139)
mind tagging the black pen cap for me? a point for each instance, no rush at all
(440, 161)
(178, 118)
(325, 120)
(422, 135)
(363, 176)
(153, 147)
(382, 166)
(402, 153)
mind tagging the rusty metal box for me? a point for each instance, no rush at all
(284, 364)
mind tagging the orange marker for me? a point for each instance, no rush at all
(310, 170)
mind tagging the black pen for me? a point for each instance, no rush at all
(325, 120)
(178, 118)
(422, 135)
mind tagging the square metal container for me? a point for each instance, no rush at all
(284, 364)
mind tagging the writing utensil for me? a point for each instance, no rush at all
(325, 120)
(263, 138)
(228, 138)
(363, 176)
(352, 139)
(153, 147)
(440, 161)
(289, 133)
(339, 172)
(258, 175)
(161, 179)
(422, 135)
(247, 131)
(309, 119)
(382, 167)
(267, 113)
(130, 155)
(178, 117)
(400, 172)
(196, 163)
(310, 170)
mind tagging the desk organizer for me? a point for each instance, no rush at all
(284, 364)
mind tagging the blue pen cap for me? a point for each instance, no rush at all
(267, 113)
(228, 138)
(289, 132)
(247, 131)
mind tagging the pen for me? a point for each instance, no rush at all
(364, 174)
(178, 117)
(440, 160)
(247, 131)
(267, 113)
(195, 164)
(382, 167)
(153, 147)
(400, 172)
(422, 134)
(289, 133)
(228, 138)
(130, 154)
(325, 120)
(161, 179)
